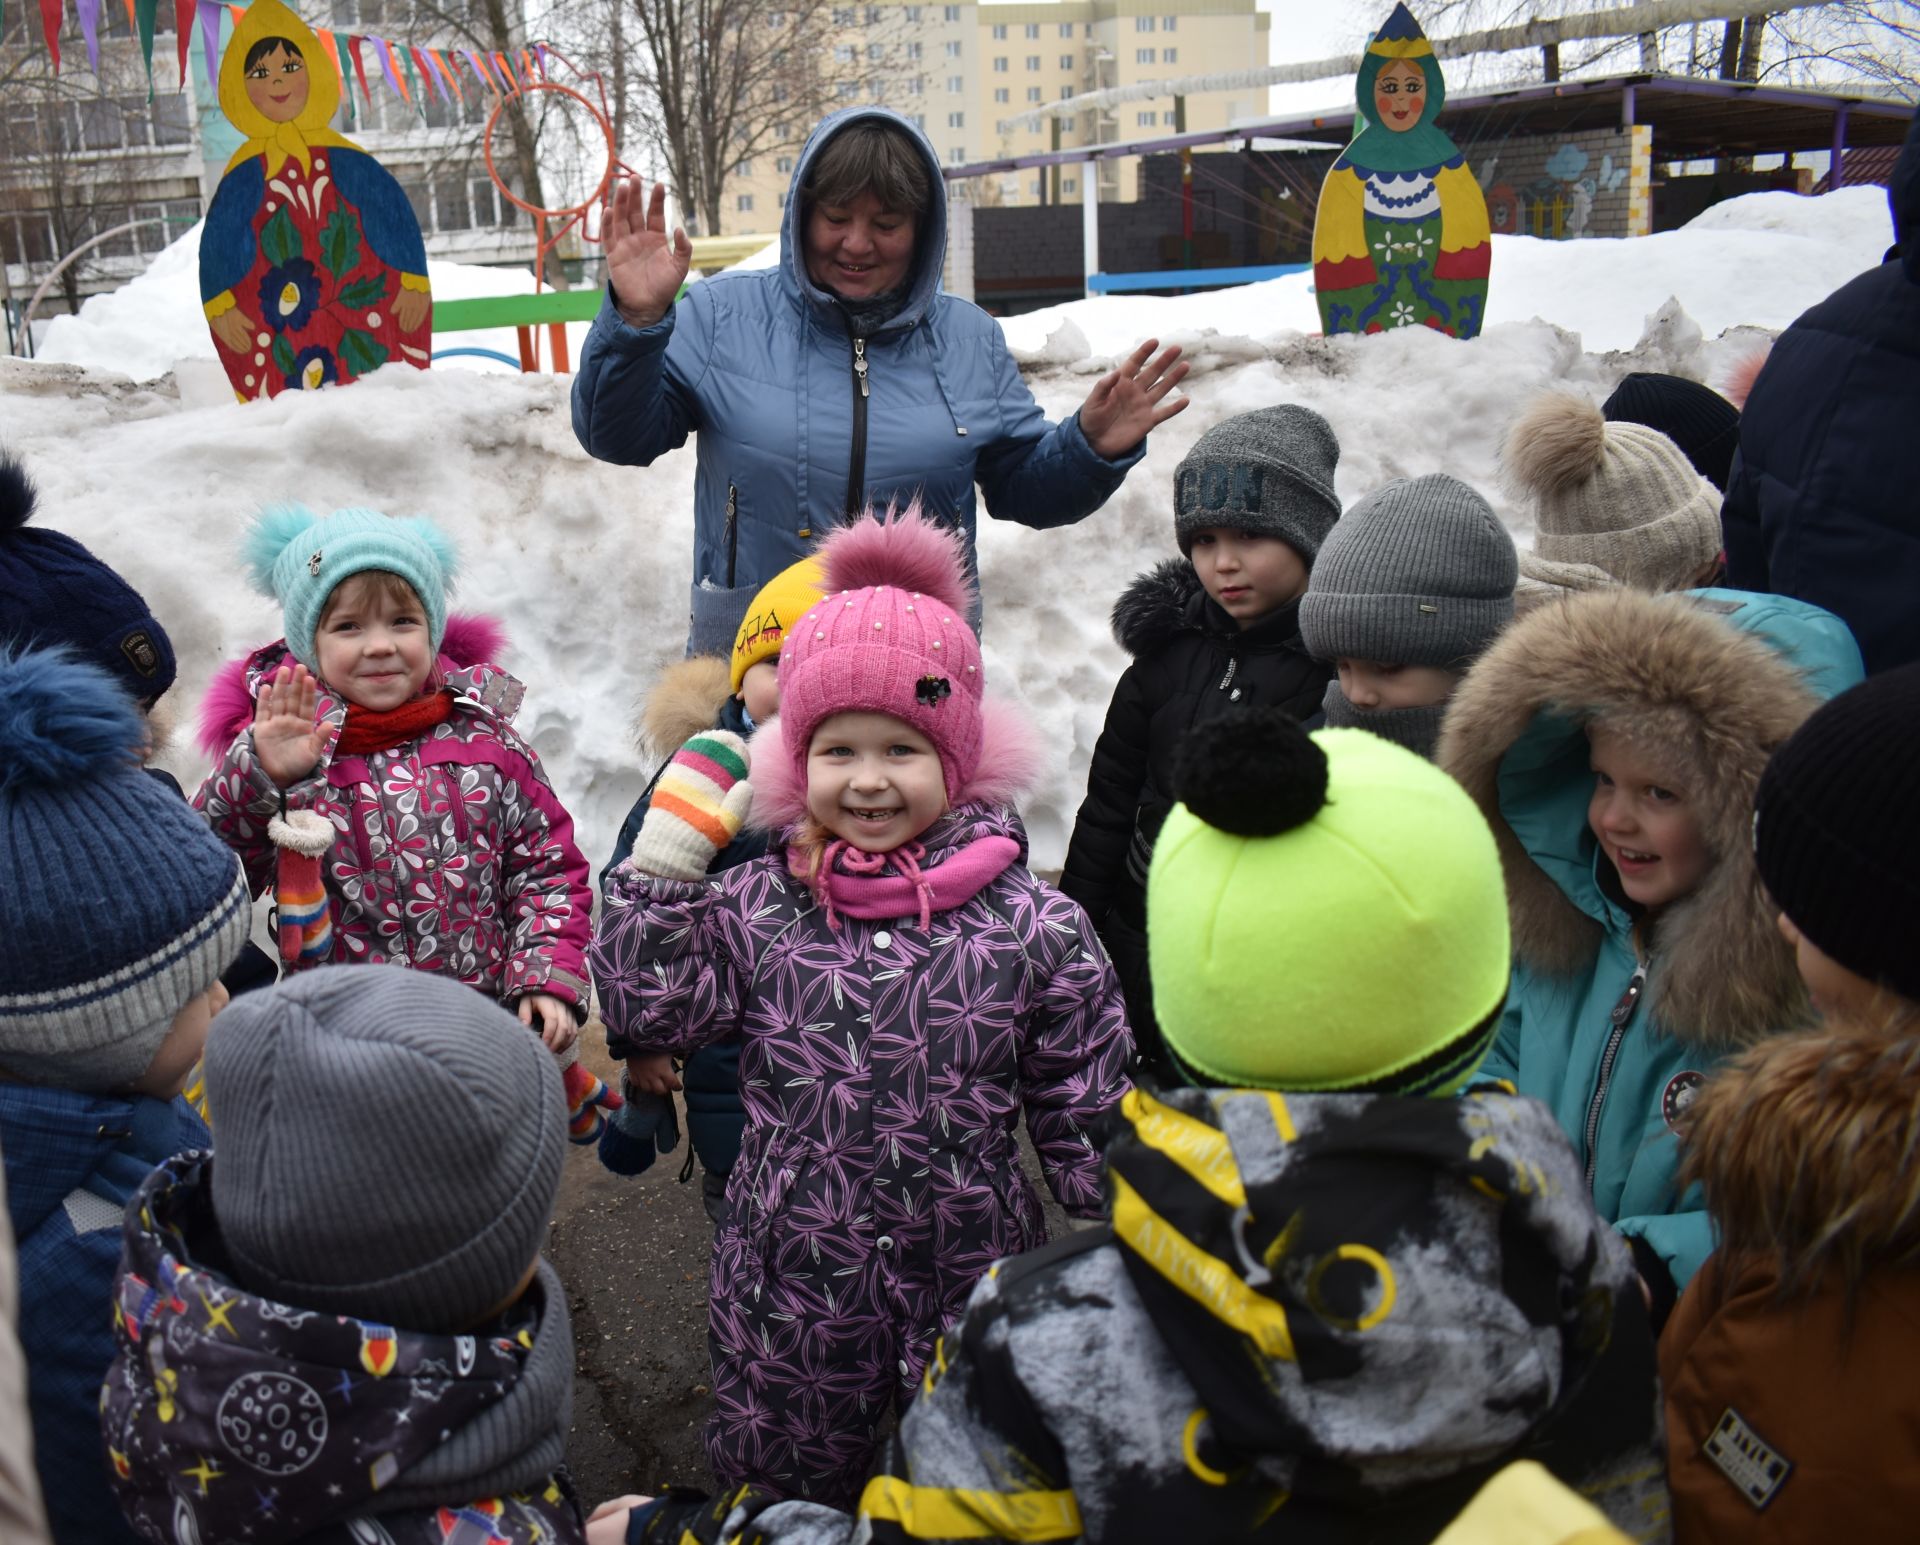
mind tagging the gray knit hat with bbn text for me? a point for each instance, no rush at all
(1269, 472)
(389, 1145)
(1420, 572)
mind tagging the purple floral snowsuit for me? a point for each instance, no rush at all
(450, 852)
(883, 1068)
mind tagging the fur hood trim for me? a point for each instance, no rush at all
(471, 640)
(1012, 757)
(1699, 694)
(1809, 1149)
(685, 700)
(1155, 607)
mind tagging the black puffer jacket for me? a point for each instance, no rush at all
(1191, 662)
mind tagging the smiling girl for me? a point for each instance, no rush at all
(902, 986)
(1614, 742)
(442, 846)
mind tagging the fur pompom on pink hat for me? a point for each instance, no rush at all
(889, 635)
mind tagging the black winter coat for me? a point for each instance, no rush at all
(1821, 504)
(1191, 662)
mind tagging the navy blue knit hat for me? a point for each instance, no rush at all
(117, 904)
(1696, 418)
(59, 593)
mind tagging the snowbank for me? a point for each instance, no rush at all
(587, 563)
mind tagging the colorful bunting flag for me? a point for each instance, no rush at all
(332, 45)
(210, 42)
(449, 78)
(354, 40)
(383, 51)
(50, 26)
(423, 71)
(89, 14)
(183, 31)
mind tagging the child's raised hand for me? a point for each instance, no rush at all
(286, 741)
(699, 805)
(551, 1018)
(652, 1072)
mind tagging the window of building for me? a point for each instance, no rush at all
(920, 121)
(1143, 24)
(1039, 184)
(953, 50)
(849, 89)
(1169, 56)
(873, 16)
(1066, 29)
(843, 53)
(1033, 29)
(875, 53)
(1001, 94)
(1146, 120)
(913, 50)
(1065, 92)
(875, 89)
(956, 83)
(1143, 56)
(170, 126)
(1171, 120)
(1033, 93)
(956, 155)
(956, 120)
(917, 87)
(843, 16)
(1166, 23)
(744, 203)
(743, 168)
(779, 92)
(1000, 64)
(913, 13)
(1069, 184)
(779, 201)
(952, 12)
(452, 207)
(783, 165)
(1000, 32)
(1033, 61)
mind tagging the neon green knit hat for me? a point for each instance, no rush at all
(1324, 913)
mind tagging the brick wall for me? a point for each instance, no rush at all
(1560, 187)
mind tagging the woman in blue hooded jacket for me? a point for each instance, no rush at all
(1614, 741)
(840, 378)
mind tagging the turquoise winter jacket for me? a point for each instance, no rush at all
(1615, 1040)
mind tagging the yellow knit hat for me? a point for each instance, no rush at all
(1324, 913)
(779, 604)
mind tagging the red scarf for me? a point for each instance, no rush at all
(368, 730)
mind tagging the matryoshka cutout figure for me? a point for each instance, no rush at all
(1401, 236)
(312, 270)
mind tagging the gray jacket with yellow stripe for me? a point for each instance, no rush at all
(1324, 1317)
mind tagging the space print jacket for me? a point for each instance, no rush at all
(231, 1417)
(1313, 1318)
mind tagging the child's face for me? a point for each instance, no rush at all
(1248, 575)
(1837, 993)
(167, 1074)
(1644, 824)
(760, 690)
(372, 644)
(1374, 684)
(873, 781)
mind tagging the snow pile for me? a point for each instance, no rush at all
(587, 564)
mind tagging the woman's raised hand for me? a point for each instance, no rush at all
(1128, 402)
(645, 266)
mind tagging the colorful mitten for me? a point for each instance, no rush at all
(699, 803)
(302, 915)
(587, 1096)
(644, 1122)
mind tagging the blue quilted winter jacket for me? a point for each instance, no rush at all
(72, 1162)
(759, 366)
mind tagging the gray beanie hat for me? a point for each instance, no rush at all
(1420, 572)
(1614, 503)
(1269, 472)
(390, 1145)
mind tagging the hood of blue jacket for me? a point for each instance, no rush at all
(57, 1141)
(930, 247)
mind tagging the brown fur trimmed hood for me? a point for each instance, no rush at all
(1809, 1149)
(683, 702)
(1709, 684)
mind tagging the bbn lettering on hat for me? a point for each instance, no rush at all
(1269, 472)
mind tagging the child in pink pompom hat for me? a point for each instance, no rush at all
(902, 985)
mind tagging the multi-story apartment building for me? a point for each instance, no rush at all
(962, 72)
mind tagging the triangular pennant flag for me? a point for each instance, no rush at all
(354, 40)
(89, 13)
(383, 50)
(449, 79)
(486, 75)
(130, 21)
(210, 42)
(183, 30)
(422, 72)
(145, 15)
(332, 45)
(501, 63)
(50, 25)
(540, 53)
(526, 68)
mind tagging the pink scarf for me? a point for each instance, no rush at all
(856, 883)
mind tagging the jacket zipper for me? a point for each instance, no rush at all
(857, 462)
(733, 531)
(1233, 664)
(1621, 1016)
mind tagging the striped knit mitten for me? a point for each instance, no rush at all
(699, 804)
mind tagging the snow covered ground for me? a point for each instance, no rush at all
(588, 564)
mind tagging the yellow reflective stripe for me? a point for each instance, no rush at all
(1204, 1278)
(940, 1513)
(1277, 1108)
(1201, 1152)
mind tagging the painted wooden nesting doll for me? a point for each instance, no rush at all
(312, 271)
(1401, 236)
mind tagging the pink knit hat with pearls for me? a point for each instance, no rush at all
(890, 635)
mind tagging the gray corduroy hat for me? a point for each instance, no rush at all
(389, 1145)
(1420, 572)
(1269, 472)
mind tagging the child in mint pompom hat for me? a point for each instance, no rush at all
(370, 775)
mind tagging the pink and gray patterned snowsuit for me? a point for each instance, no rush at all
(450, 853)
(883, 1069)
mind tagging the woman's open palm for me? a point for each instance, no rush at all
(645, 266)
